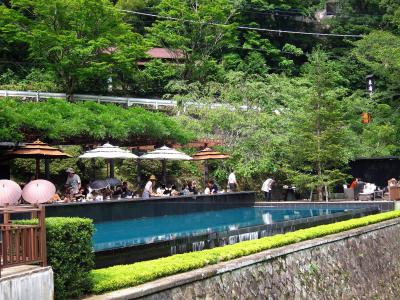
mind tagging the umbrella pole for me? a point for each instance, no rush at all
(93, 168)
(111, 168)
(164, 171)
(138, 171)
(37, 168)
(47, 168)
(205, 171)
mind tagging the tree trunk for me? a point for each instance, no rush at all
(70, 88)
(319, 193)
(326, 193)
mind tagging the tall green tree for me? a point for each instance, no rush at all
(319, 139)
(80, 40)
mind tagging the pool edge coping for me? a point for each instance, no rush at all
(176, 280)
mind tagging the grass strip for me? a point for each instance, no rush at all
(123, 276)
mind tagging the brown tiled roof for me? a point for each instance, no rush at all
(165, 53)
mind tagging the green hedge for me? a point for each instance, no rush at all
(70, 254)
(117, 277)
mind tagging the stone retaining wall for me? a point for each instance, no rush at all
(358, 264)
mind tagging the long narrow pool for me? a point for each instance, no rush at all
(132, 232)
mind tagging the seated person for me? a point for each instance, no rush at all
(392, 182)
(107, 193)
(126, 191)
(89, 195)
(81, 194)
(97, 196)
(207, 190)
(213, 187)
(118, 191)
(160, 190)
(174, 192)
(167, 192)
(56, 197)
(185, 190)
(193, 188)
(68, 196)
(353, 184)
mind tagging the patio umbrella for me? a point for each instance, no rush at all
(37, 150)
(207, 154)
(10, 192)
(108, 151)
(38, 191)
(163, 154)
(104, 183)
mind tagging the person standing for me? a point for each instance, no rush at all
(148, 189)
(232, 183)
(359, 188)
(267, 187)
(73, 183)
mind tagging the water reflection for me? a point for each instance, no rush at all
(267, 218)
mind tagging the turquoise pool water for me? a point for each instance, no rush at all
(117, 234)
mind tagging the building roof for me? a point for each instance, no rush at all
(165, 53)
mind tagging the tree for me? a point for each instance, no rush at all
(80, 40)
(191, 34)
(320, 141)
(380, 51)
(13, 50)
(255, 137)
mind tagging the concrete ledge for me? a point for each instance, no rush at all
(27, 282)
(174, 281)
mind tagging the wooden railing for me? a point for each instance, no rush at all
(22, 244)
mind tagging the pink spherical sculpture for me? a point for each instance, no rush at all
(10, 192)
(38, 191)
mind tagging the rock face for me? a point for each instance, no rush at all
(359, 264)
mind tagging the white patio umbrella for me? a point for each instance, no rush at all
(108, 151)
(165, 153)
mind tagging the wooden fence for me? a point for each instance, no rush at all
(22, 244)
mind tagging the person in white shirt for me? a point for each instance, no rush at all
(207, 190)
(148, 189)
(160, 190)
(267, 187)
(232, 183)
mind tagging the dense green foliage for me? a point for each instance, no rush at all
(69, 253)
(123, 276)
(61, 121)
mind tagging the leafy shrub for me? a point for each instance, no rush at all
(69, 253)
(117, 277)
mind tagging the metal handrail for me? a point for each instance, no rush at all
(129, 101)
